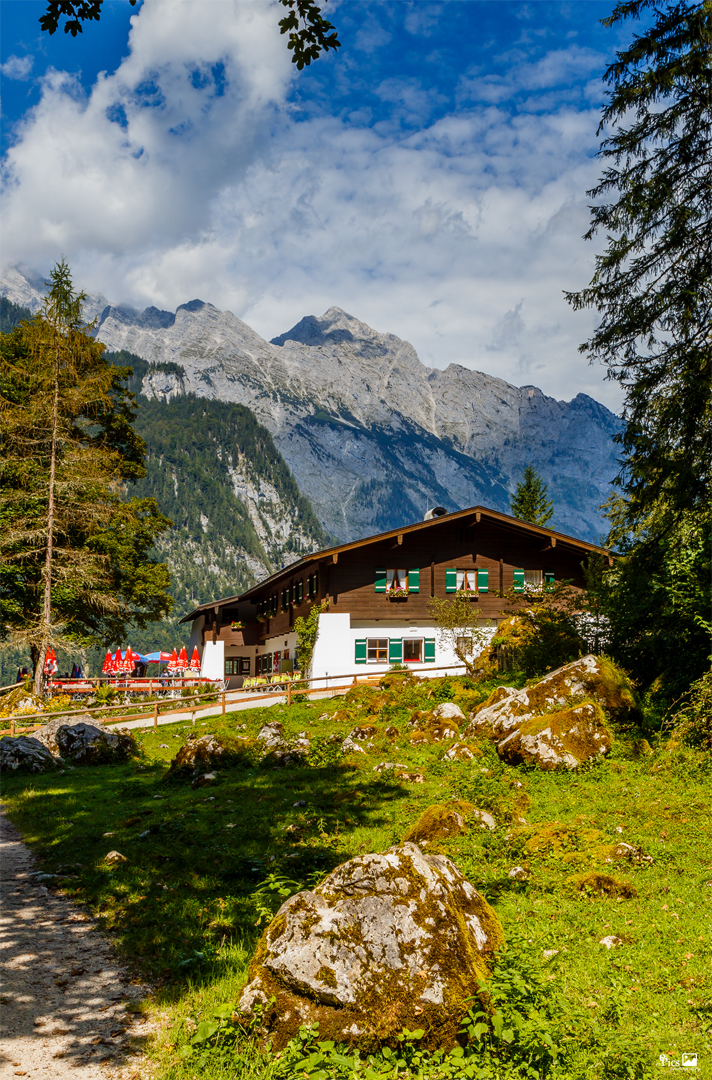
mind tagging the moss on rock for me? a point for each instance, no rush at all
(440, 822)
(563, 739)
(604, 885)
(387, 941)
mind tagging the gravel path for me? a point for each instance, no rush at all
(63, 992)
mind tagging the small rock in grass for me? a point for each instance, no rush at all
(163, 746)
(518, 873)
(348, 746)
(107, 834)
(605, 885)
(386, 765)
(204, 779)
(548, 953)
(440, 822)
(411, 777)
(392, 732)
(611, 941)
(300, 802)
(115, 857)
(458, 752)
(486, 820)
(363, 733)
(448, 710)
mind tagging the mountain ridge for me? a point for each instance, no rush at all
(372, 435)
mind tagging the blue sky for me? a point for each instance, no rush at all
(429, 177)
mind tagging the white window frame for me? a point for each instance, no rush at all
(375, 648)
(469, 576)
(410, 641)
(466, 645)
(391, 578)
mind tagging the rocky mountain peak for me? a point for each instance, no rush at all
(370, 433)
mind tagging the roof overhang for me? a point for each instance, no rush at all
(472, 516)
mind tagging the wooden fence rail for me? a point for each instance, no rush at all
(291, 689)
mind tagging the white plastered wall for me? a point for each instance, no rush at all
(335, 648)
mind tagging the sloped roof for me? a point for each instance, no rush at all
(479, 512)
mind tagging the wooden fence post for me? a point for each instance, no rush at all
(289, 692)
(12, 726)
(223, 703)
(155, 715)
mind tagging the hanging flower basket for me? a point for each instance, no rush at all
(237, 625)
(398, 594)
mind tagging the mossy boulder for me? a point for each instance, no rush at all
(440, 822)
(563, 739)
(387, 941)
(595, 678)
(210, 752)
(603, 885)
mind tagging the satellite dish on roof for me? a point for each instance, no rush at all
(437, 511)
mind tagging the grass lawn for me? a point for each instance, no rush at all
(187, 906)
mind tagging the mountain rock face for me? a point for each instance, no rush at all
(373, 436)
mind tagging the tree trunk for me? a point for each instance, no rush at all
(46, 625)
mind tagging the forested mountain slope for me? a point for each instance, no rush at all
(215, 471)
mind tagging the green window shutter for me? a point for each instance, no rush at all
(395, 650)
(414, 581)
(549, 577)
(483, 580)
(519, 581)
(429, 650)
(361, 651)
(381, 580)
(451, 581)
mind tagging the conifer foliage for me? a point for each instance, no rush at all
(653, 284)
(529, 502)
(75, 556)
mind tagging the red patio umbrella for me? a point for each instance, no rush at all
(195, 661)
(129, 660)
(183, 659)
(116, 666)
(108, 666)
(50, 665)
(173, 664)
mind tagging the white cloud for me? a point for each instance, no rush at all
(17, 67)
(185, 175)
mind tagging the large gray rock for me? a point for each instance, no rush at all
(563, 739)
(47, 735)
(592, 677)
(85, 744)
(25, 754)
(385, 942)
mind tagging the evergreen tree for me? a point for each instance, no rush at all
(653, 285)
(529, 502)
(75, 557)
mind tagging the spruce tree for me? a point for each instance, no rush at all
(529, 502)
(652, 287)
(74, 554)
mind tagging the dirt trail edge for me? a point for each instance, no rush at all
(63, 1000)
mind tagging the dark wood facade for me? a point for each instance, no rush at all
(468, 540)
